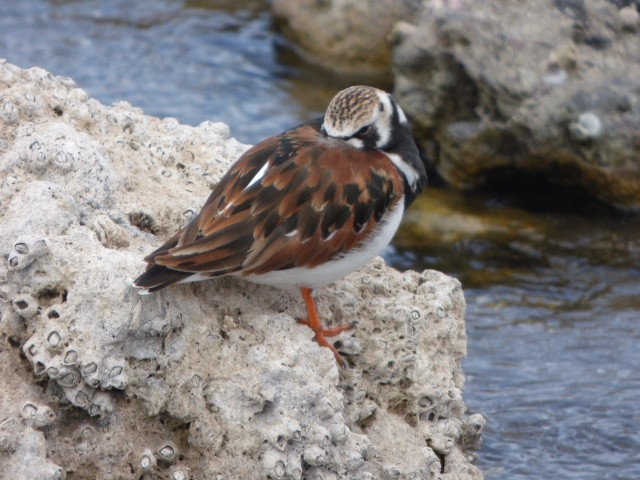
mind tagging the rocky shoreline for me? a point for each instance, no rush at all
(208, 380)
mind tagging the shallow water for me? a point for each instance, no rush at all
(553, 329)
(196, 61)
(553, 298)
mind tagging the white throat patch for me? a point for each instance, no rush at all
(408, 171)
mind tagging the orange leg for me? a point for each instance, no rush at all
(315, 324)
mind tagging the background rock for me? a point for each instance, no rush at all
(210, 380)
(538, 87)
(345, 36)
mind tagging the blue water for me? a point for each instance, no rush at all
(558, 386)
(194, 64)
(553, 349)
(554, 340)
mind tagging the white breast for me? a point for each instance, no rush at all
(335, 269)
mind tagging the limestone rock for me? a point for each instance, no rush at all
(211, 380)
(345, 36)
(546, 89)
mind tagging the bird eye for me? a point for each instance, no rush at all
(363, 131)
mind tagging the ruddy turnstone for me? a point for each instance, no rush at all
(304, 208)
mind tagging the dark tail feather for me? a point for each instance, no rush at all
(157, 277)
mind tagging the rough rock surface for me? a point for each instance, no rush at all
(545, 87)
(345, 36)
(548, 88)
(213, 380)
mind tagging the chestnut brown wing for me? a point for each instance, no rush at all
(220, 199)
(318, 198)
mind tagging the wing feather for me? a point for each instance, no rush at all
(318, 198)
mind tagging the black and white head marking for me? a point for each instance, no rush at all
(370, 119)
(362, 116)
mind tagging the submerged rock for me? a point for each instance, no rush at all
(211, 380)
(543, 88)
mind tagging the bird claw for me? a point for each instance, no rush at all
(321, 334)
(328, 332)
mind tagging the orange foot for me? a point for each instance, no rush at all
(315, 324)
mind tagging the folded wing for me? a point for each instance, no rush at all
(296, 200)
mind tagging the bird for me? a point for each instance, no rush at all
(304, 208)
